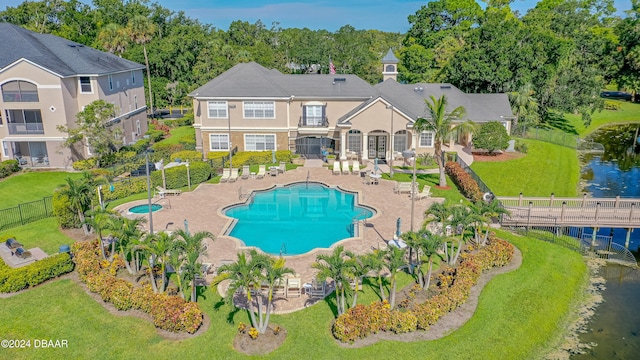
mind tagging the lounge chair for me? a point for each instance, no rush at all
(283, 167)
(234, 175)
(317, 289)
(273, 171)
(280, 287)
(294, 287)
(345, 167)
(162, 191)
(262, 170)
(356, 167)
(425, 193)
(336, 167)
(404, 187)
(12, 243)
(226, 174)
(245, 171)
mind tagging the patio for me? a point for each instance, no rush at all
(202, 209)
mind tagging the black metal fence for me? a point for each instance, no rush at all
(483, 187)
(553, 136)
(25, 213)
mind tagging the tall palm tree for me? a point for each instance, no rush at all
(440, 121)
(375, 261)
(339, 267)
(412, 238)
(243, 275)
(461, 218)
(79, 193)
(429, 247)
(359, 270)
(524, 105)
(272, 271)
(127, 232)
(193, 249)
(490, 210)
(140, 30)
(161, 246)
(394, 258)
(99, 220)
(113, 38)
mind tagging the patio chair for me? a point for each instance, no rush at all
(336, 167)
(294, 287)
(317, 289)
(356, 167)
(245, 172)
(273, 171)
(280, 287)
(404, 187)
(283, 167)
(226, 174)
(425, 193)
(234, 175)
(345, 167)
(12, 243)
(162, 191)
(262, 170)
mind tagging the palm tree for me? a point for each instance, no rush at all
(440, 121)
(394, 258)
(128, 233)
(359, 270)
(140, 30)
(243, 276)
(193, 249)
(375, 262)
(461, 218)
(161, 246)
(175, 258)
(412, 239)
(524, 105)
(100, 220)
(113, 38)
(416, 241)
(79, 193)
(339, 267)
(272, 271)
(429, 247)
(438, 213)
(490, 210)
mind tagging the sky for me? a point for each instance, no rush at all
(390, 15)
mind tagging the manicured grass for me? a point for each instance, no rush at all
(546, 168)
(629, 112)
(177, 134)
(42, 233)
(452, 195)
(31, 186)
(519, 315)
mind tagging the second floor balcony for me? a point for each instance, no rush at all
(313, 122)
(25, 128)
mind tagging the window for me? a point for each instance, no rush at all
(390, 68)
(19, 91)
(85, 85)
(400, 141)
(110, 82)
(426, 139)
(5, 149)
(24, 121)
(133, 77)
(218, 142)
(256, 142)
(217, 109)
(313, 115)
(354, 141)
(259, 110)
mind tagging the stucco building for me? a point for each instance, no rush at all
(46, 80)
(255, 109)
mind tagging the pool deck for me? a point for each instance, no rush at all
(203, 210)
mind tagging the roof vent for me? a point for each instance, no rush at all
(71, 45)
(445, 86)
(418, 89)
(339, 79)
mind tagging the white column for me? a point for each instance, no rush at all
(343, 145)
(365, 146)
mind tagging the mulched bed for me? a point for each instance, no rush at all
(264, 344)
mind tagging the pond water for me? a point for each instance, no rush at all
(615, 327)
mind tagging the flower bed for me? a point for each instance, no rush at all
(454, 288)
(170, 313)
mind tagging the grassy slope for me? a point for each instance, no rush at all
(177, 134)
(42, 233)
(629, 112)
(519, 314)
(546, 169)
(31, 186)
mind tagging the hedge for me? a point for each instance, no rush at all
(12, 280)
(465, 183)
(170, 313)
(176, 177)
(67, 217)
(8, 167)
(185, 155)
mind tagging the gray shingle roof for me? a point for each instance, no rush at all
(61, 56)
(390, 58)
(253, 80)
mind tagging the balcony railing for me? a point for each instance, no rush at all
(313, 122)
(25, 128)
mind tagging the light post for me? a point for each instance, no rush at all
(229, 122)
(408, 154)
(391, 143)
(188, 175)
(146, 158)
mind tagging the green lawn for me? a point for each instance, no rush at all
(546, 168)
(31, 186)
(520, 314)
(452, 195)
(177, 134)
(629, 112)
(42, 233)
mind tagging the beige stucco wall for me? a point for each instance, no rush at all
(237, 139)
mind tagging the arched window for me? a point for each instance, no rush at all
(390, 68)
(19, 91)
(354, 141)
(400, 141)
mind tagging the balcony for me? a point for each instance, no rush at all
(313, 122)
(25, 128)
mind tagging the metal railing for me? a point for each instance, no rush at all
(308, 121)
(26, 213)
(582, 202)
(25, 128)
(604, 248)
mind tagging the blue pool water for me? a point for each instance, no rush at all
(297, 218)
(144, 209)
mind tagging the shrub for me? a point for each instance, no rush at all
(467, 185)
(176, 177)
(12, 280)
(125, 188)
(8, 167)
(67, 217)
(491, 136)
(185, 155)
(521, 146)
(164, 151)
(611, 105)
(86, 164)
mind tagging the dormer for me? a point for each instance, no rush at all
(390, 66)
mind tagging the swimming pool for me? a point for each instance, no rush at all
(296, 218)
(144, 209)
